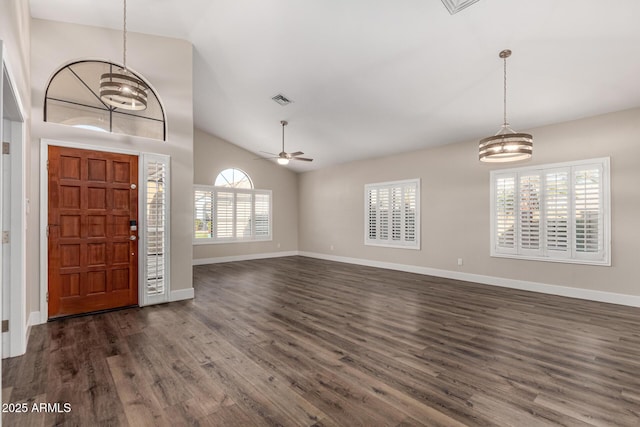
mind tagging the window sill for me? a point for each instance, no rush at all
(390, 245)
(602, 263)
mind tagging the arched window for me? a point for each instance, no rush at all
(233, 178)
(72, 98)
(231, 210)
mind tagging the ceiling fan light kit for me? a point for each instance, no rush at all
(507, 145)
(283, 157)
(121, 89)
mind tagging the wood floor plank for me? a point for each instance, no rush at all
(139, 403)
(296, 341)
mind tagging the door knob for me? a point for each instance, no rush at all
(132, 237)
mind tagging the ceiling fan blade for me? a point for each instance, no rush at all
(305, 159)
(297, 153)
(271, 154)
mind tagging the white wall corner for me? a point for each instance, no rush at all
(565, 291)
(181, 294)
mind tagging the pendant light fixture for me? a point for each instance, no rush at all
(122, 89)
(507, 145)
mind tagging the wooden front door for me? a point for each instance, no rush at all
(93, 251)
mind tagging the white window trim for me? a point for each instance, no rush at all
(401, 244)
(572, 257)
(217, 241)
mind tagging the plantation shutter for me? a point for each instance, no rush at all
(262, 216)
(372, 220)
(383, 214)
(392, 214)
(410, 208)
(504, 204)
(203, 212)
(224, 216)
(244, 202)
(557, 213)
(396, 213)
(529, 213)
(155, 263)
(563, 212)
(588, 212)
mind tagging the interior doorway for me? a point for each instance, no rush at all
(13, 204)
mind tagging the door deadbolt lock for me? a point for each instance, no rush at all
(133, 186)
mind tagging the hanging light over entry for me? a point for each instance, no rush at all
(122, 89)
(507, 145)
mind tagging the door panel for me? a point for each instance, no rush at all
(93, 263)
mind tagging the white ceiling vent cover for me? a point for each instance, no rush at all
(281, 99)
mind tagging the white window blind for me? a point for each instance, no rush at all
(556, 205)
(505, 209)
(155, 262)
(587, 193)
(529, 208)
(262, 218)
(392, 214)
(225, 215)
(562, 212)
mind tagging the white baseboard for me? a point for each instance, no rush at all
(181, 294)
(5, 345)
(565, 291)
(35, 318)
(216, 260)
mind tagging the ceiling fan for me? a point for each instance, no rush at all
(283, 157)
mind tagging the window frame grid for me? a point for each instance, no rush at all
(402, 243)
(214, 202)
(571, 255)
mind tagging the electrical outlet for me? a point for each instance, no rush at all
(459, 261)
(331, 247)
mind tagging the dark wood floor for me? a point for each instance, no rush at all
(303, 342)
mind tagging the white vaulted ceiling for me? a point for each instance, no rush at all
(370, 78)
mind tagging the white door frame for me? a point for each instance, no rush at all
(143, 299)
(18, 321)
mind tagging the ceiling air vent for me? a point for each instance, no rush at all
(281, 99)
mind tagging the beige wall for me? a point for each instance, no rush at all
(213, 155)
(167, 64)
(455, 205)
